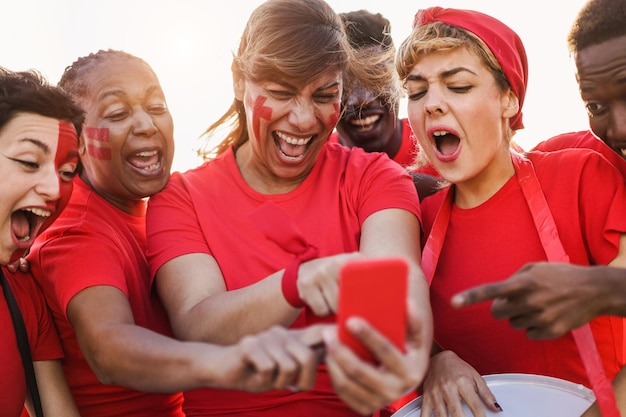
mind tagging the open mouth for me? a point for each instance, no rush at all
(290, 147)
(25, 224)
(445, 142)
(366, 123)
(362, 118)
(147, 162)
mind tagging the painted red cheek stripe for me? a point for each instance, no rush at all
(260, 112)
(97, 142)
(67, 150)
(98, 152)
(101, 134)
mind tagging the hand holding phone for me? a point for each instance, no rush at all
(376, 290)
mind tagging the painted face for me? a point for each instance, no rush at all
(367, 121)
(127, 145)
(601, 74)
(288, 125)
(458, 114)
(38, 159)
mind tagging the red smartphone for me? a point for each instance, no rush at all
(376, 290)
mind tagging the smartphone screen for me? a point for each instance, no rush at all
(376, 290)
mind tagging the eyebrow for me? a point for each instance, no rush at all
(41, 145)
(288, 85)
(332, 84)
(445, 74)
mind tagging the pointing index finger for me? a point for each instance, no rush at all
(479, 294)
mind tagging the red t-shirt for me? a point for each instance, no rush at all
(95, 243)
(42, 338)
(490, 242)
(207, 210)
(583, 139)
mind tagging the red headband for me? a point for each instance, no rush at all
(501, 40)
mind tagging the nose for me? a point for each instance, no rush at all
(359, 97)
(616, 131)
(302, 115)
(433, 102)
(48, 186)
(143, 124)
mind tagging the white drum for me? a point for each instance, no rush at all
(525, 395)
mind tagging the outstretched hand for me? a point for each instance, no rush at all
(545, 299)
(275, 359)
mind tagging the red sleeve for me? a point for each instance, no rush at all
(180, 234)
(67, 258)
(603, 208)
(587, 196)
(584, 139)
(383, 184)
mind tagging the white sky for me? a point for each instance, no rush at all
(189, 44)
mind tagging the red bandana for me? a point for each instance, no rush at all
(501, 40)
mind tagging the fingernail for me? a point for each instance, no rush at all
(498, 406)
(327, 337)
(458, 301)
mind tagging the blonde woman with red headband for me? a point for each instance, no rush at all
(466, 75)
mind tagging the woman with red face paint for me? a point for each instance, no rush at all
(92, 268)
(38, 158)
(465, 74)
(256, 235)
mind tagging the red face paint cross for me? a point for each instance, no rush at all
(260, 112)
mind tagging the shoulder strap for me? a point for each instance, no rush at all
(22, 343)
(555, 252)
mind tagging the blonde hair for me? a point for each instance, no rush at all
(442, 37)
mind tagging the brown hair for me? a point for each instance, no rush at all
(297, 40)
(30, 92)
(370, 34)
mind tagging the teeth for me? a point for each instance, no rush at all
(39, 211)
(25, 238)
(147, 153)
(623, 151)
(293, 141)
(153, 166)
(367, 121)
(440, 133)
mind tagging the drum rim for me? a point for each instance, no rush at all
(508, 378)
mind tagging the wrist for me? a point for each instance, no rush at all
(289, 284)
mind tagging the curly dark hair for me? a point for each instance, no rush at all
(73, 80)
(598, 21)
